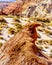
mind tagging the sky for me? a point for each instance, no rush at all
(7, 0)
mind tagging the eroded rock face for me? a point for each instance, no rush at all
(39, 9)
(13, 8)
(19, 50)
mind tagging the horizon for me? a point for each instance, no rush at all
(7, 0)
